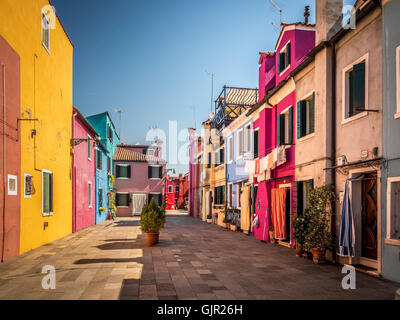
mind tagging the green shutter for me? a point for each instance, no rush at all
(287, 56)
(279, 63)
(303, 118)
(160, 172)
(128, 171)
(298, 119)
(290, 125)
(300, 204)
(312, 116)
(358, 87)
(46, 192)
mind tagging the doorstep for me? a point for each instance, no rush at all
(364, 269)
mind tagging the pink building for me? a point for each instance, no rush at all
(83, 173)
(275, 165)
(139, 177)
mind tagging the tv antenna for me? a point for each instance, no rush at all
(279, 9)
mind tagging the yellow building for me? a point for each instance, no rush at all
(46, 57)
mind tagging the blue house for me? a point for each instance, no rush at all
(101, 184)
(104, 125)
(238, 148)
(391, 142)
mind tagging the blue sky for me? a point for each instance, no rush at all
(149, 57)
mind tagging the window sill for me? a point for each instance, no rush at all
(45, 47)
(47, 214)
(122, 206)
(393, 242)
(397, 115)
(286, 69)
(121, 178)
(307, 137)
(355, 117)
(154, 178)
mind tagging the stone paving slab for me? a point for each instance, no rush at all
(194, 260)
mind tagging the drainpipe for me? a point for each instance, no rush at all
(333, 134)
(3, 70)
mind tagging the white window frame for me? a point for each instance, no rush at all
(46, 214)
(29, 196)
(155, 165)
(388, 239)
(230, 149)
(122, 165)
(90, 194)
(43, 14)
(397, 114)
(288, 66)
(346, 69)
(89, 141)
(247, 133)
(258, 147)
(12, 177)
(238, 155)
(286, 113)
(123, 193)
(312, 134)
(170, 187)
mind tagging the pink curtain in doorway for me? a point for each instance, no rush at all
(278, 200)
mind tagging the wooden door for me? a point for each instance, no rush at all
(369, 216)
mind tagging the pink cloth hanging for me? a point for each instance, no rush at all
(278, 212)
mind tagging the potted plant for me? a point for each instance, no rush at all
(209, 218)
(215, 217)
(163, 215)
(319, 237)
(151, 222)
(300, 223)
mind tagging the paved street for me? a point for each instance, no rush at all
(193, 260)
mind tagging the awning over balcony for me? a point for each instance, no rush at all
(238, 96)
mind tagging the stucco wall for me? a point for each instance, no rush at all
(46, 94)
(101, 182)
(391, 130)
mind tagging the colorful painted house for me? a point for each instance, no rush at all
(274, 169)
(84, 138)
(101, 185)
(171, 196)
(45, 126)
(109, 137)
(391, 145)
(139, 177)
(10, 146)
(194, 177)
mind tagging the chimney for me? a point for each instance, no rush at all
(327, 13)
(306, 14)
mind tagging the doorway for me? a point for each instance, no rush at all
(138, 201)
(369, 219)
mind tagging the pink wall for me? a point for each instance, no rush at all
(266, 75)
(138, 183)
(83, 172)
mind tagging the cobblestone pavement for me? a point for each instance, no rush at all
(194, 260)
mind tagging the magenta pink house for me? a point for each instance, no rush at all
(276, 126)
(140, 176)
(83, 137)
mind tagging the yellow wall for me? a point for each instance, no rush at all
(46, 94)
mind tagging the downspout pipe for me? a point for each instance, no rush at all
(333, 134)
(3, 71)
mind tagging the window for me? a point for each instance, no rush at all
(230, 191)
(108, 164)
(305, 116)
(12, 185)
(155, 172)
(109, 133)
(150, 152)
(219, 195)
(157, 198)
(170, 189)
(90, 204)
(219, 157)
(45, 31)
(393, 212)
(47, 193)
(397, 115)
(303, 191)
(285, 127)
(355, 89)
(239, 186)
(89, 146)
(240, 143)
(99, 160)
(28, 186)
(122, 199)
(123, 171)
(255, 144)
(100, 197)
(176, 189)
(230, 149)
(247, 134)
(209, 160)
(284, 58)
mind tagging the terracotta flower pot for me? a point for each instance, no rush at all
(152, 238)
(318, 255)
(209, 220)
(299, 251)
(233, 227)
